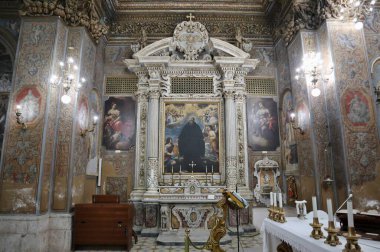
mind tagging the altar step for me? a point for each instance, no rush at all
(177, 237)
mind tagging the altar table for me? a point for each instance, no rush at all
(296, 233)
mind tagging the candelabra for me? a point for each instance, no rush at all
(311, 69)
(83, 132)
(19, 118)
(355, 11)
(66, 78)
(317, 232)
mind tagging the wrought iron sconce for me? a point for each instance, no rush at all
(292, 120)
(19, 118)
(92, 129)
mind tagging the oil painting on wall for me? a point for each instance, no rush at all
(289, 144)
(119, 129)
(262, 120)
(190, 141)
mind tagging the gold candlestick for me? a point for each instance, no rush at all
(332, 238)
(352, 241)
(281, 215)
(317, 232)
(271, 212)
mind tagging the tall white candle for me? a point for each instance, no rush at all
(329, 210)
(271, 198)
(315, 210)
(298, 208)
(206, 169)
(180, 169)
(350, 216)
(280, 200)
(304, 207)
(100, 172)
(274, 200)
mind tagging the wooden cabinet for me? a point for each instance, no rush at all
(103, 224)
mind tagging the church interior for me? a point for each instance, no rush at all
(189, 125)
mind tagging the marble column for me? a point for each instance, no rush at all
(231, 172)
(140, 156)
(152, 147)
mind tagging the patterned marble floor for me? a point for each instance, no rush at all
(248, 243)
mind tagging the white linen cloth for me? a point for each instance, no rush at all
(297, 232)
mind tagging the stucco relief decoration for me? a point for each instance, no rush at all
(29, 99)
(190, 38)
(357, 110)
(73, 12)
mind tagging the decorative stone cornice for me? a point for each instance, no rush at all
(73, 13)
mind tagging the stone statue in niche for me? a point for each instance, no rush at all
(267, 172)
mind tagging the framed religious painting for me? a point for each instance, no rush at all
(190, 140)
(119, 123)
(262, 124)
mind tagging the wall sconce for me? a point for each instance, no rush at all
(19, 118)
(66, 78)
(94, 122)
(292, 121)
(355, 11)
(311, 69)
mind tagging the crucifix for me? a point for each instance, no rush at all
(192, 164)
(190, 17)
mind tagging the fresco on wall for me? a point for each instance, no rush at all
(119, 129)
(191, 138)
(83, 114)
(262, 120)
(357, 109)
(29, 100)
(288, 140)
(4, 99)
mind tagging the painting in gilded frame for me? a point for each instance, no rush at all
(191, 138)
(262, 120)
(119, 129)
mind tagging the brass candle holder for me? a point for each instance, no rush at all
(352, 241)
(317, 232)
(271, 212)
(281, 215)
(332, 237)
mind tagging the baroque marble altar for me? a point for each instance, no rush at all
(168, 195)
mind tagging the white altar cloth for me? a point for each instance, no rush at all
(296, 233)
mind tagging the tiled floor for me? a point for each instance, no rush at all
(251, 243)
(248, 243)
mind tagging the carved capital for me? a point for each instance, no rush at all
(155, 71)
(240, 96)
(228, 72)
(229, 94)
(142, 96)
(142, 77)
(154, 94)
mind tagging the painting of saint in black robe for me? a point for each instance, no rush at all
(191, 144)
